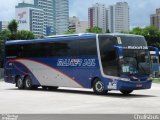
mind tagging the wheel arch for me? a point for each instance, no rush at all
(93, 79)
(25, 77)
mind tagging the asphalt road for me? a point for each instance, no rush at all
(66, 101)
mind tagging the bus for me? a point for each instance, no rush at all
(102, 62)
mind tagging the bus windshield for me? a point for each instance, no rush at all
(134, 58)
(136, 61)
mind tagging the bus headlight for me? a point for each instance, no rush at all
(150, 77)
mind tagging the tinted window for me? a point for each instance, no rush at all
(13, 50)
(64, 48)
(108, 55)
(54, 49)
(87, 47)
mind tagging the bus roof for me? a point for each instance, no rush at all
(64, 37)
(51, 38)
(122, 34)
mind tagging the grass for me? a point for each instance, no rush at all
(156, 80)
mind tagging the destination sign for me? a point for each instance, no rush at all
(136, 47)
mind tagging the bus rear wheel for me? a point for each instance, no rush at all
(126, 92)
(28, 83)
(19, 83)
(98, 87)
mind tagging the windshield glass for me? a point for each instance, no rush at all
(136, 61)
(154, 59)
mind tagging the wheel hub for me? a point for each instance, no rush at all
(28, 84)
(19, 82)
(99, 86)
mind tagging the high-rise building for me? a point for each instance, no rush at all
(31, 18)
(155, 19)
(48, 7)
(53, 15)
(77, 26)
(62, 16)
(97, 16)
(81, 26)
(111, 18)
(72, 23)
(118, 17)
(3, 25)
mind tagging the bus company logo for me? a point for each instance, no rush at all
(138, 47)
(112, 85)
(21, 15)
(76, 62)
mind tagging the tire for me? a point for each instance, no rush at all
(19, 83)
(28, 83)
(126, 92)
(98, 87)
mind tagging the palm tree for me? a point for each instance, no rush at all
(13, 27)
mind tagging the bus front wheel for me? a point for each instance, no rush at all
(126, 92)
(98, 87)
(19, 83)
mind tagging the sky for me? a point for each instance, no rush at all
(140, 10)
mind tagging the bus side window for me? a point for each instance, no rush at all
(87, 47)
(13, 51)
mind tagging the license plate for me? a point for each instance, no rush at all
(139, 85)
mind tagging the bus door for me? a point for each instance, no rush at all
(119, 50)
(154, 53)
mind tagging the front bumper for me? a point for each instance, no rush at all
(132, 85)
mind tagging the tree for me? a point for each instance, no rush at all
(151, 33)
(13, 34)
(13, 26)
(24, 35)
(138, 31)
(94, 30)
(4, 35)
